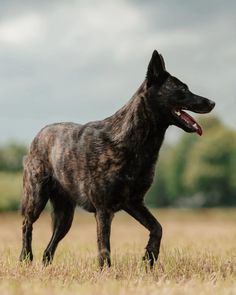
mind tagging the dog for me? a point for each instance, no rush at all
(108, 165)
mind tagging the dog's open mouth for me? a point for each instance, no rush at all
(188, 121)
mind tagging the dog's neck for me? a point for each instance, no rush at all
(136, 124)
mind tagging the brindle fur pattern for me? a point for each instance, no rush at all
(103, 167)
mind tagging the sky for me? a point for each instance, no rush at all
(82, 60)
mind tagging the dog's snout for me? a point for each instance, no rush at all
(211, 103)
(202, 105)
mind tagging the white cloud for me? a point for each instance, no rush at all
(90, 29)
(21, 30)
(81, 60)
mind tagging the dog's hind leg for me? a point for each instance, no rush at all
(34, 200)
(62, 217)
(141, 213)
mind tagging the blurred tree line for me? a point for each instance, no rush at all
(198, 171)
(194, 172)
(11, 175)
(11, 156)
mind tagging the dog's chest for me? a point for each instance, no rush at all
(121, 181)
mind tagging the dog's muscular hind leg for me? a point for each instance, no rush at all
(27, 228)
(62, 217)
(34, 201)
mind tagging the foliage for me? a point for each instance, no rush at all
(198, 171)
(10, 191)
(209, 168)
(11, 156)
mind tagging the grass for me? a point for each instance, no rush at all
(198, 256)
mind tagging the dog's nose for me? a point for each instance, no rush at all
(211, 103)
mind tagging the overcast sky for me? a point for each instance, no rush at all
(82, 60)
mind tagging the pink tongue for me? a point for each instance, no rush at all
(187, 118)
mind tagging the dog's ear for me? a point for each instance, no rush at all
(156, 69)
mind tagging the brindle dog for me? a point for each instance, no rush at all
(106, 166)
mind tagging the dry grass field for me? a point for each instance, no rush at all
(198, 256)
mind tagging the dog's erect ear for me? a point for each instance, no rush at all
(156, 69)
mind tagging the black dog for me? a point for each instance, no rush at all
(108, 165)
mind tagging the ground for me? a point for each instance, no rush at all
(198, 256)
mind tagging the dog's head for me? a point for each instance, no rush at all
(169, 97)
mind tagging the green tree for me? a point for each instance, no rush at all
(176, 164)
(210, 167)
(11, 156)
(197, 171)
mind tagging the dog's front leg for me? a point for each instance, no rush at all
(141, 213)
(103, 218)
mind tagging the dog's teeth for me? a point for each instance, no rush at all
(195, 126)
(178, 113)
